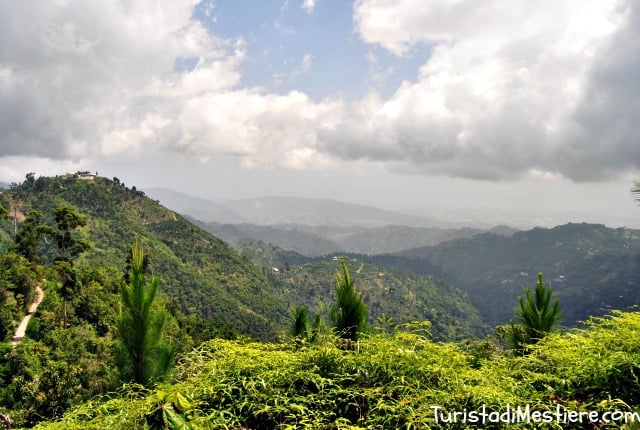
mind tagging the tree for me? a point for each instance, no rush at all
(67, 220)
(300, 323)
(538, 315)
(68, 248)
(28, 236)
(146, 356)
(349, 315)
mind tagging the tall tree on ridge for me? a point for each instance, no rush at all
(68, 248)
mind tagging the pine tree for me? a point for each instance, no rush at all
(300, 323)
(145, 355)
(349, 315)
(538, 315)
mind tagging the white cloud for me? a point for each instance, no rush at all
(90, 80)
(515, 89)
(304, 67)
(504, 90)
(14, 168)
(263, 129)
(308, 5)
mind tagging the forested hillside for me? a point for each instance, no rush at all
(210, 279)
(403, 297)
(203, 273)
(592, 268)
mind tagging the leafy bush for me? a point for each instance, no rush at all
(387, 381)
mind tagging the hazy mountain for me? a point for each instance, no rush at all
(394, 238)
(291, 210)
(4, 185)
(322, 240)
(198, 208)
(283, 210)
(592, 268)
(292, 238)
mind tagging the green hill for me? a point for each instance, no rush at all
(404, 297)
(202, 272)
(391, 378)
(591, 268)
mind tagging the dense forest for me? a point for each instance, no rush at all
(255, 337)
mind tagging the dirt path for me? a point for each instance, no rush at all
(20, 331)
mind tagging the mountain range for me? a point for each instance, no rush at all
(284, 210)
(464, 280)
(327, 239)
(592, 268)
(209, 278)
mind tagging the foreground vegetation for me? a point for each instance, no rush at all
(396, 380)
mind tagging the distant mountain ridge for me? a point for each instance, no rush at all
(284, 210)
(313, 227)
(592, 268)
(315, 241)
(195, 207)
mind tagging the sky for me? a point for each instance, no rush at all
(489, 111)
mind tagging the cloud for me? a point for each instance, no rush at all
(308, 5)
(304, 66)
(113, 79)
(264, 130)
(79, 70)
(517, 89)
(509, 90)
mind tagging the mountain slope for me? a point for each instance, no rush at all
(211, 279)
(592, 268)
(314, 241)
(203, 273)
(195, 207)
(293, 238)
(404, 297)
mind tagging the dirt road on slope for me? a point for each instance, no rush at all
(20, 331)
